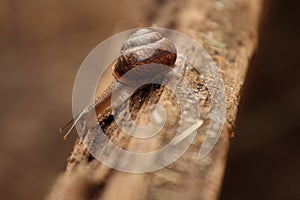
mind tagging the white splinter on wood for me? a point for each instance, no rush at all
(187, 132)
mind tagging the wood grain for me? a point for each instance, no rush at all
(228, 31)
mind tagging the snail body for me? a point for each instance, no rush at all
(143, 54)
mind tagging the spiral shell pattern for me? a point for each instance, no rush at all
(144, 51)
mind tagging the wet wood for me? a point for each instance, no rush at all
(228, 31)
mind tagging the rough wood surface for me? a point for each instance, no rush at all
(228, 31)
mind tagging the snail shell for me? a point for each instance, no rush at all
(144, 51)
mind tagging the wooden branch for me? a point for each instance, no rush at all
(228, 31)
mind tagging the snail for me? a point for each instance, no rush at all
(143, 53)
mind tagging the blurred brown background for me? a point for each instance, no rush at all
(264, 158)
(42, 44)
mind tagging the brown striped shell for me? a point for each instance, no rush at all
(144, 51)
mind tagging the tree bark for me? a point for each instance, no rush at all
(228, 31)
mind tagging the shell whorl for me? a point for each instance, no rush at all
(144, 47)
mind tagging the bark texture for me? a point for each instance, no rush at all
(228, 31)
